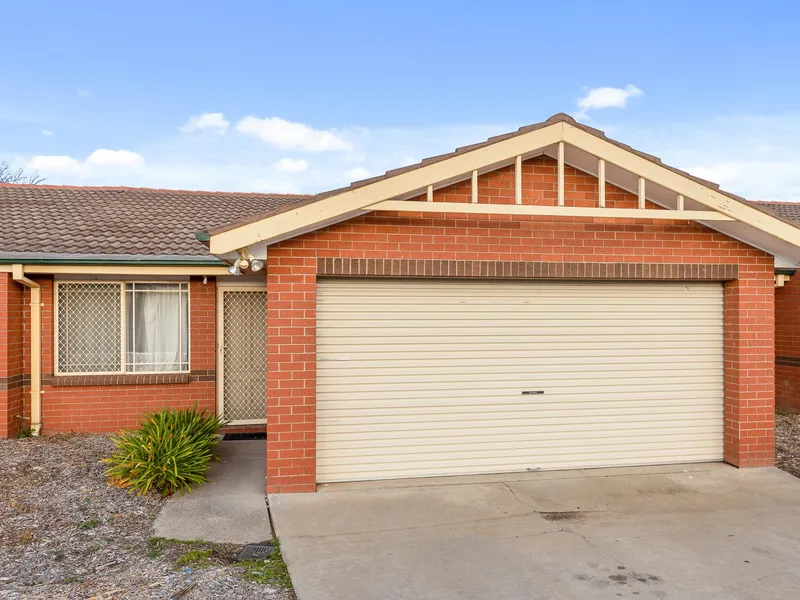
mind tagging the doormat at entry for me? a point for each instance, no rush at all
(244, 436)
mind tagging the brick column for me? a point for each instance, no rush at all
(291, 370)
(203, 342)
(750, 367)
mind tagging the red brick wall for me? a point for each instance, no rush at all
(291, 291)
(787, 345)
(104, 408)
(12, 362)
(111, 407)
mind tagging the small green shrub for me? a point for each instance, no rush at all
(25, 428)
(170, 452)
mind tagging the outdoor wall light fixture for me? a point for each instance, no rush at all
(245, 262)
(234, 268)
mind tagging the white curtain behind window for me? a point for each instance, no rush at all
(157, 333)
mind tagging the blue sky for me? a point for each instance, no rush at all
(301, 97)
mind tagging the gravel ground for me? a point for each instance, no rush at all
(65, 533)
(787, 442)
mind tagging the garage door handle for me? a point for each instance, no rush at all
(531, 392)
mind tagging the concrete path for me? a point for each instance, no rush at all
(230, 508)
(707, 532)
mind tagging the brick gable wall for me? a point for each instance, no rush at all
(293, 268)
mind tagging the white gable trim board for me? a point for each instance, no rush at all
(687, 198)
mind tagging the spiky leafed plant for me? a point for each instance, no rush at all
(170, 452)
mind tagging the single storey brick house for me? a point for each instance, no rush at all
(547, 299)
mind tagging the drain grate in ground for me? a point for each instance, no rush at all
(256, 551)
(244, 436)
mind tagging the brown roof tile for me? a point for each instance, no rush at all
(788, 211)
(120, 220)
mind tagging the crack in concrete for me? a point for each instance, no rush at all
(518, 499)
(759, 580)
(546, 513)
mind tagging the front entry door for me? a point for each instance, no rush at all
(242, 337)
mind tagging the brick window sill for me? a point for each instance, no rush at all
(128, 379)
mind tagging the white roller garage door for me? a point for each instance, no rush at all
(421, 378)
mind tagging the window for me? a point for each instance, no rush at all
(157, 321)
(122, 327)
(89, 328)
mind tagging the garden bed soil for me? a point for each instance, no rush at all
(65, 533)
(787, 442)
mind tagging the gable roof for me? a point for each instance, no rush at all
(748, 222)
(84, 222)
(555, 119)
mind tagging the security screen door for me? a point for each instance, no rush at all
(243, 349)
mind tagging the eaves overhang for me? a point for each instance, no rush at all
(38, 258)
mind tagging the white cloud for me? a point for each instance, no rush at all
(755, 179)
(55, 164)
(273, 186)
(291, 136)
(752, 156)
(98, 162)
(246, 163)
(212, 122)
(356, 174)
(47, 132)
(606, 97)
(115, 158)
(291, 165)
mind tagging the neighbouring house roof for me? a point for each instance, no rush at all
(85, 224)
(789, 211)
(749, 222)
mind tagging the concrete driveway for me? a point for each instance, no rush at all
(696, 532)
